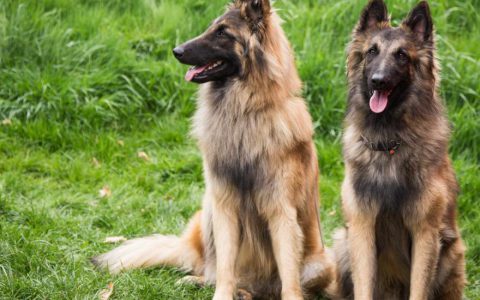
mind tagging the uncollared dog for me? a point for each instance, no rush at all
(399, 193)
(258, 231)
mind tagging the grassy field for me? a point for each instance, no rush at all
(86, 85)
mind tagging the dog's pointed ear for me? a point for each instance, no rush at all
(254, 10)
(419, 22)
(373, 14)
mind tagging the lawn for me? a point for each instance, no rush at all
(92, 99)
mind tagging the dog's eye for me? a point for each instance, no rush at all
(221, 32)
(373, 51)
(402, 55)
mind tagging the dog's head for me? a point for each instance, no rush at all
(390, 59)
(219, 53)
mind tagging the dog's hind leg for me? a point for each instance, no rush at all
(453, 289)
(452, 273)
(185, 252)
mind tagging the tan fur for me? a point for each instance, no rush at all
(411, 249)
(263, 238)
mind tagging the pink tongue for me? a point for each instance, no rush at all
(379, 101)
(192, 72)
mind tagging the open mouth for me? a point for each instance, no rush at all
(197, 73)
(379, 100)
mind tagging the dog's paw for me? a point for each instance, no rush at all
(191, 280)
(243, 295)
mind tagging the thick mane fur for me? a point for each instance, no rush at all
(249, 128)
(265, 98)
(401, 240)
(420, 122)
(258, 232)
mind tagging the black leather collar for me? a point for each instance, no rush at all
(391, 146)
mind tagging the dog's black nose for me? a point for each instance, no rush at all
(379, 81)
(178, 52)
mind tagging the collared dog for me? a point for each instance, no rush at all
(399, 194)
(258, 231)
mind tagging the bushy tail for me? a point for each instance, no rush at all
(185, 252)
(341, 287)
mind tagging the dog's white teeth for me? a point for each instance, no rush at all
(218, 63)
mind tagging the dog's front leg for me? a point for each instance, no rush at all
(361, 241)
(426, 249)
(226, 236)
(287, 241)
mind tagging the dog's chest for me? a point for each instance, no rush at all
(388, 182)
(237, 149)
(239, 168)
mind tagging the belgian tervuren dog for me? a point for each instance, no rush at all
(259, 229)
(399, 193)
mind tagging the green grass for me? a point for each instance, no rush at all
(78, 76)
